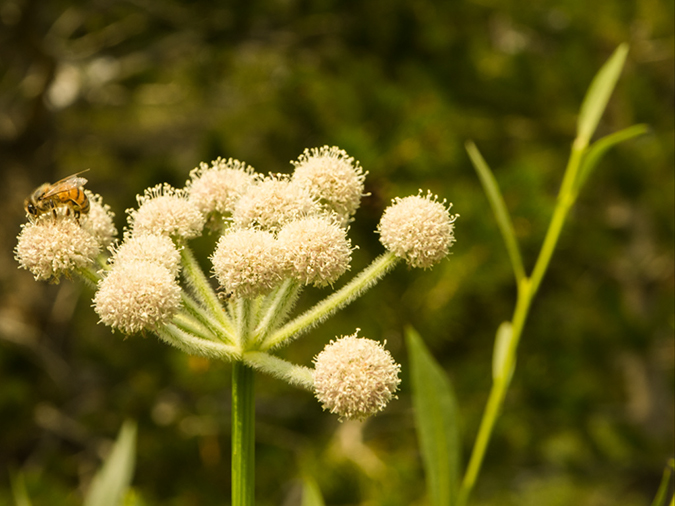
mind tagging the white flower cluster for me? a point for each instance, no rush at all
(276, 234)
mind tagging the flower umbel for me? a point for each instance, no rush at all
(418, 229)
(50, 247)
(355, 377)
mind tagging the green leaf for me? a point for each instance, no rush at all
(598, 94)
(502, 342)
(19, 491)
(491, 188)
(597, 150)
(661, 498)
(311, 494)
(112, 481)
(437, 422)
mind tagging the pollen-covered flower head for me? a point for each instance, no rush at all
(218, 187)
(332, 177)
(418, 229)
(248, 262)
(317, 249)
(355, 377)
(164, 210)
(49, 247)
(99, 220)
(159, 249)
(272, 202)
(137, 295)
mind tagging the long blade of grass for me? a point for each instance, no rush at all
(18, 484)
(598, 95)
(597, 150)
(112, 481)
(661, 498)
(437, 422)
(504, 222)
(311, 495)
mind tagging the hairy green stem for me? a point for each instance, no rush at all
(243, 435)
(366, 278)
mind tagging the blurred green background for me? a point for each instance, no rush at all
(141, 91)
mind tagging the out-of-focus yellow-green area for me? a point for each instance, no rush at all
(141, 92)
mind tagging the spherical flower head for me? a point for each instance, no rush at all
(216, 189)
(317, 249)
(158, 249)
(332, 177)
(164, 210)
(248, 262)
(418, 229)
(272, 202)
(49, 247)
(355, 377)
(137, 295)
(99, 220)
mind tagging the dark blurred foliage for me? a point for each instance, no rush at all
(142, 91)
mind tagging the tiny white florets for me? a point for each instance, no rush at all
(273, 202)
(355, 377)
(418, 229)
(159, 249)
(137, 295)
(164, 210)
(317, 249)
(218, 187)
(49, 247)
(332, 177)
(248, 262)
(99, 220)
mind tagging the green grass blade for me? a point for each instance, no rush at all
(661, 498)
(113, 479)
(311, 495)
(437, 422)
(598, 149)
(598, 95)
(19, 491)
(491, 188)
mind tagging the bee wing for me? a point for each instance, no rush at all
(65, 184)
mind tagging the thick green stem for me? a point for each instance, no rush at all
(243, 435)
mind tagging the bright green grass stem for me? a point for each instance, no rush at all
(527, 289)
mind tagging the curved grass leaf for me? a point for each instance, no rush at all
(598, 94)
(112, 481)
(311, 495)
(19, 491)
(437, 422)
(597, 150)
(491, 188)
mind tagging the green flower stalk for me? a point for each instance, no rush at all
(277, 234)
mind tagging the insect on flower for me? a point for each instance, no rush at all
(67, 193)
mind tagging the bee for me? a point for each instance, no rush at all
(67, 193)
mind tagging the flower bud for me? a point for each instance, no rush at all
(248, 262)
(218, 188)
(272, 203)
(317, 249)
(49, 247)
(418, 229)
(164, 210)
(333, 178)
(355, 377)
(159, 249)
(99, 220)
(137, 295)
